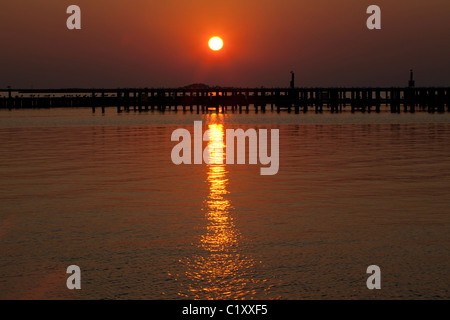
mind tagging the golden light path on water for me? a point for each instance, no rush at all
(223, 271)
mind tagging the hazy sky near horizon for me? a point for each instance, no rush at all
(142, 43)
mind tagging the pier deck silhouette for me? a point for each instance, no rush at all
(395, 99)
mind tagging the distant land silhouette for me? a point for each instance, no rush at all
(196, 86)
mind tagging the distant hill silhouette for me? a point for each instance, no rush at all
(197, 86)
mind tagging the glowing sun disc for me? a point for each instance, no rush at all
(215, 43)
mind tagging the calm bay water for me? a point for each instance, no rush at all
(101, 192)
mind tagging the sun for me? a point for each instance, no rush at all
(215, 43)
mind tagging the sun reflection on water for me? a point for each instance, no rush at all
(221, 269)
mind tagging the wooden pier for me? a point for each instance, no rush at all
(394, 99)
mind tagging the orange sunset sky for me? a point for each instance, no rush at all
(142, 43)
